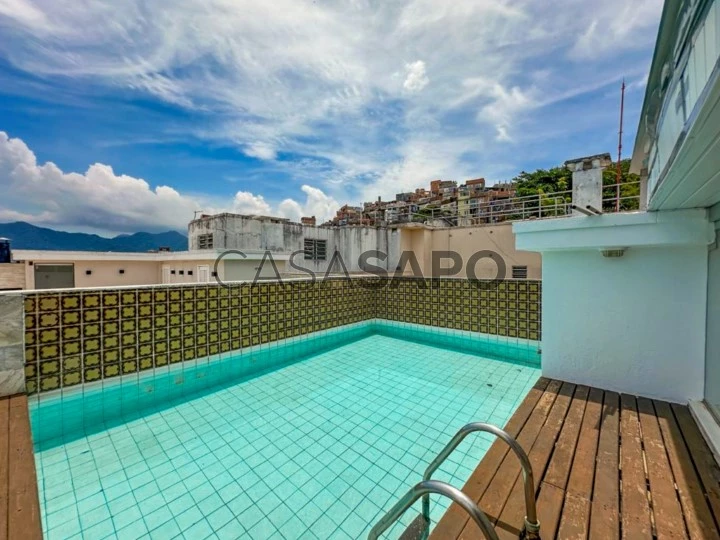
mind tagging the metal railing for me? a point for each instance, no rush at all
(531, 529)
(619, 197)
(532, 526)
(622, 197)
(424, 489)
(537, 206)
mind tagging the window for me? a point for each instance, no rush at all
(172, 272)
(519, 272)
(182, 272)
(205, 241)
(315, 250)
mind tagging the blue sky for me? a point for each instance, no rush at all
(126, 115)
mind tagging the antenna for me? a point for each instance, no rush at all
(620, 133)
(196, 213)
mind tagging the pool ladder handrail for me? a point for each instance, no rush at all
(532, 525)
(424, 489)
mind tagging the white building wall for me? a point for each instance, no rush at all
(633, 324)
(712, 346)
(351, 243)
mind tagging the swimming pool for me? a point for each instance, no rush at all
(314, 438)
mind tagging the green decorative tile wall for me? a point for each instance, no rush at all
(510, 308)
(87, 335)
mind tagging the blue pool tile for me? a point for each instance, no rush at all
(231, 530)
(103, 529)
(200, 530)
(220, 517)
(224, 464)
(251, 516)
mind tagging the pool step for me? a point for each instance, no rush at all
(416, 529)
(428, 486)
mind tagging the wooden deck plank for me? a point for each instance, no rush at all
(550, 504)
(514, 510)
(23, 503)
(454, 520)
(696, 512)
(497, 492)
(583, 467)
(666, 509)
(634, 505)
(4, 466)
(606, 465)
(605, 508)
(559, 469)
(701, 455)
(575, 519)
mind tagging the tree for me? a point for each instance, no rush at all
(558, 181)
(629, 188)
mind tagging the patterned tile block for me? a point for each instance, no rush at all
(84, 336)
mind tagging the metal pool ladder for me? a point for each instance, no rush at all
(427, 486)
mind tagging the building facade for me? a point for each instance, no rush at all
(630, 301)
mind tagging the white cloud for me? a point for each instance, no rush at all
(317, 204)
(260, 150)
(247, 203)
(104, 201)
(617, 25)
(99, 197)
(23, 11)
(416, 78)
(343, 88)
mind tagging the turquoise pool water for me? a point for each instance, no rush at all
(291, 445)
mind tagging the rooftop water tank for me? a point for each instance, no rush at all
(5, 255)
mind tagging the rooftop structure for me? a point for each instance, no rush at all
(662, 264)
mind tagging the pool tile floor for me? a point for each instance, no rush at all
(318, 449)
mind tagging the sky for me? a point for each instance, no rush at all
(118, 116)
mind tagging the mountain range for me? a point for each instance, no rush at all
(26, 236)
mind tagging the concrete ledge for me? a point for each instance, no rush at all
(608, 231)
(12, 361)
(709, 427)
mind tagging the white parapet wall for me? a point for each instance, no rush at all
(633, 323)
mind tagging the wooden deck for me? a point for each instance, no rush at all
(606, 466)
(19, 505)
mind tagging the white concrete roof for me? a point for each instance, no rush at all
(161, 256)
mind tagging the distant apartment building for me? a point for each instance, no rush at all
(310, 221)
(374, 212)
(232, 247)
(348, 215)
(476, 185)
(42, 269)
(400, 212)
(449, 206)
(405, 197)
(463, 202)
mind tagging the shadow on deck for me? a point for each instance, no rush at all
(606, 466)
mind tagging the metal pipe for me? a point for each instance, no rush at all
(581, 210)
(593, 209)
(423, 489)
(532, 526)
